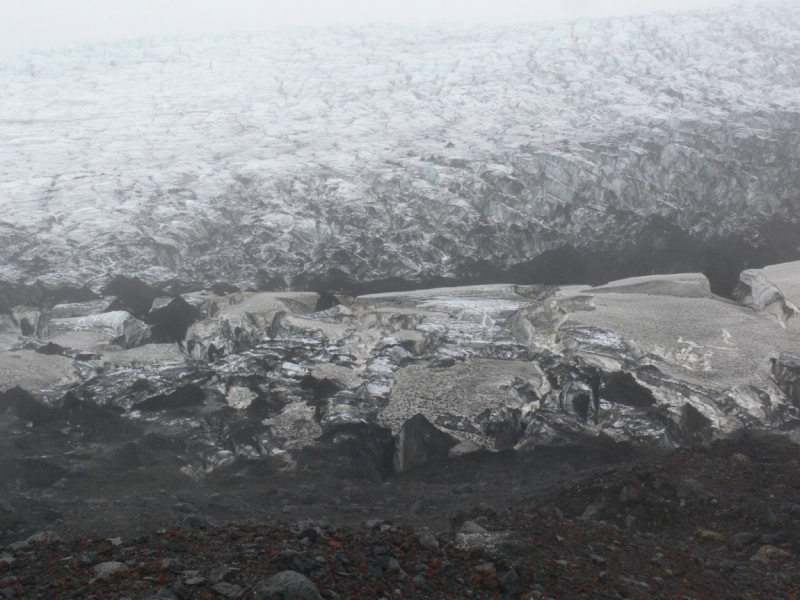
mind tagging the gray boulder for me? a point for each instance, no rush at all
(418, 442)
(289, 585)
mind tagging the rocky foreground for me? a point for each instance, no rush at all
(717, 521)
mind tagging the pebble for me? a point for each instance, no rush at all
(106, 570)
(48, 537)
(228, 590)
(19, 546)
(767, 553)
(741, 539)
(289, 584)
(471, 527)
(426, 540)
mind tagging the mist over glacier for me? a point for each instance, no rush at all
(376, 157)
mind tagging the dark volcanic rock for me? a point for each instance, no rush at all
(41, 295)
(622, 387)
(366, 450)
(132, 456)
(171, 322)
(96, 422)
(133, 293)
(504, 425)
(18, 403)
(321, 388)
(418, 442)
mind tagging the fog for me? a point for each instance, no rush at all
(29, 24)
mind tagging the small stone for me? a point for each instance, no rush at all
(770, 539)
(19, 546)
(372, 524)
(566, 469)
(728, 565)
(421, 581)
(772, 518)
(228, 590)
(193, 581)
(598, 560)
(591, 512)
(486, 570)
(107, 570)
(181, 591)
(707, 534)
(510, 583)
(695, 487)
(115, 541)
(426, 540)
(741, 539)
(289, 584)
(768, 553)
(44, 537)
(471, 527)
(7, 592)
(183, 507)
(171, 564)
(221, 573)
(394, 567)
(195, 522)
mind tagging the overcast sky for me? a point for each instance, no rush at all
(28, 24)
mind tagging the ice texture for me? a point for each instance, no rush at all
(389, 151)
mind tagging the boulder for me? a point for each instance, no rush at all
(88, 333)
(18, 403)
(133, 293)
(289, 585)
(364, 450)
(418, 442)
(170, 322)
(108, 570)
(502, 424)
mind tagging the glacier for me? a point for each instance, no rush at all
(378, 158)
(346, 243)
